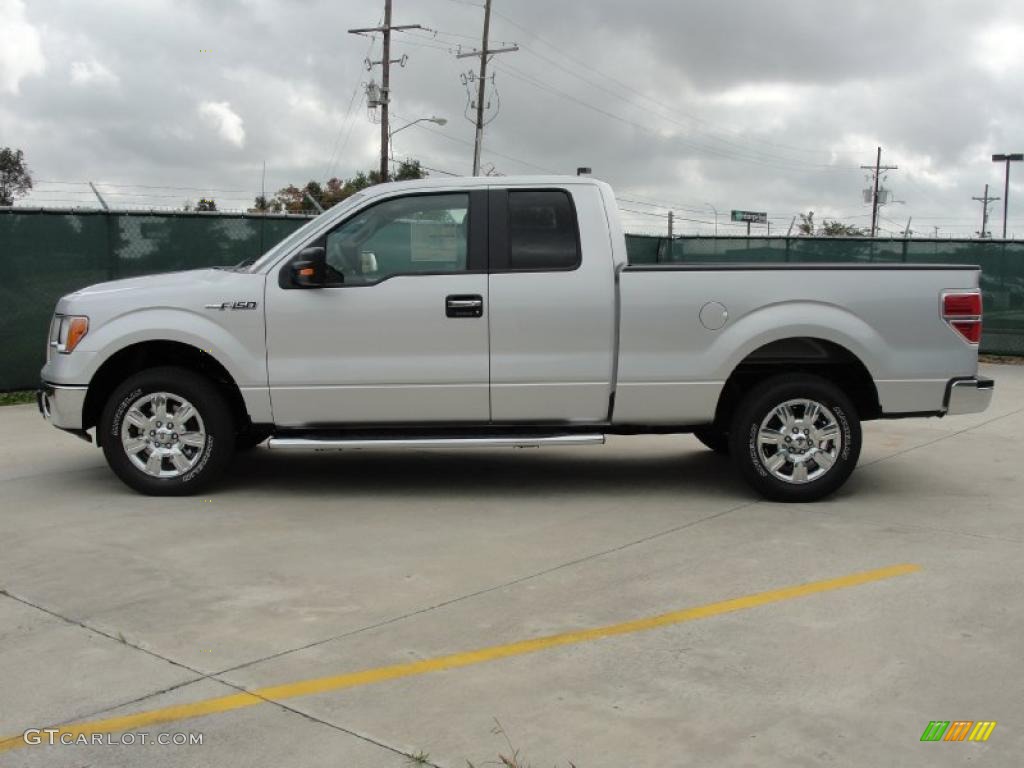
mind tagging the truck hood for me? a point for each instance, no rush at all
(168, 281)
(192, 291)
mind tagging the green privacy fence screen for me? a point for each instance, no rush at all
(45, 254)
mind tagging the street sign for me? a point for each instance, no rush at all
(750, 217)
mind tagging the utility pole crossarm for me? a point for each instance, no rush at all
(385, 30)
(489, 52)
(877, 169)
(984, 233)
(368, 30)
(483, 55)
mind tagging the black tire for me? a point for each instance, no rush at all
(748, 455)
(715, 439)
(207, 463)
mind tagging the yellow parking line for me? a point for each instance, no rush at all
(456, 660)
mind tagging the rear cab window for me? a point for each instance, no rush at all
(542, 231)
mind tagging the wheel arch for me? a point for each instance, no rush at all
(801, 354)
(150, 354)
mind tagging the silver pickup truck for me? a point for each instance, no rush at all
(504, 312)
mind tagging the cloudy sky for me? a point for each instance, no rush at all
(694, 105)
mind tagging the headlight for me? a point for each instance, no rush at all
(66, 331)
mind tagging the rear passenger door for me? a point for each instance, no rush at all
(552, 308)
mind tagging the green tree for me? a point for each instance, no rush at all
(838, 229)
(15, 179)
(828, 228)
(410, 169)
(206, 204)
(293, 199)
(806, 225)
(262, 205)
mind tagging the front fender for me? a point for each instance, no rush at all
(240, 349)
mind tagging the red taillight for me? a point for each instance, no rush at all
(969, 329)
(961, 304)
(963, 312)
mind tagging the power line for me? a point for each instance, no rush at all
(530, 80)
(385, 30)
(631, 89)
(877, 170)
(339, 146)
(489, 151)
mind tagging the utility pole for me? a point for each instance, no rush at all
(385, 78)
(906, 232)
(877, 169)
(984, 212)
(1014, 158)
(483, 53)
(670, 216)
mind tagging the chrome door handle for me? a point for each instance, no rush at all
(464, 306)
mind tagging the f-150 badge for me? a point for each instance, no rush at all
(232, 305)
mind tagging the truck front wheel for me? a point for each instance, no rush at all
(167, 432)
(795, 437)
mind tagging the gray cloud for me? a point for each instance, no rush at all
(736, 104)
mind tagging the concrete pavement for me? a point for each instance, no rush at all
(304, 567)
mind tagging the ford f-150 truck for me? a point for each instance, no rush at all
(504, 312)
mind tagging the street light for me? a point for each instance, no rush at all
(431, 119)
(434, 120)
(709, 205)
(1013, 158)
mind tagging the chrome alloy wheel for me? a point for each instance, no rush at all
(799, 441)
(163, 434)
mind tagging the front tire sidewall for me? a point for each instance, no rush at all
(207, 400)
(759, 403)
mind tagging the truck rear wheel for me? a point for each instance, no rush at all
(167, 432)
(795, 437)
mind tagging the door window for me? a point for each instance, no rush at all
(401, 236)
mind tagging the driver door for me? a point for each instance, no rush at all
(398, 334)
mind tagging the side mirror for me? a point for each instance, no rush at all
(309, 268)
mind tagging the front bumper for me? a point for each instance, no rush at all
(61, 405)
(968, 395)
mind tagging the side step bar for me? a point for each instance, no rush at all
(344, 444)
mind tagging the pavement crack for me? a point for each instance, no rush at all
(942, 437)
(492, 588)
(199, 677)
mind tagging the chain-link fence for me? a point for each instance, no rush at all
(45, 254)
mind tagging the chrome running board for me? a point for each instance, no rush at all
(346, 444)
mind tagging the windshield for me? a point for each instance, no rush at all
(255, 264)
